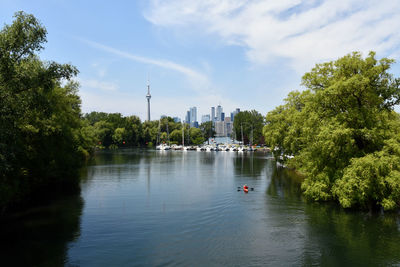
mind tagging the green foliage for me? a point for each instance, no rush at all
(251, 122)
(196, 136)
(42, 139)
(207, 128)
(339, 131)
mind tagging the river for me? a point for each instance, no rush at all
(176, 208)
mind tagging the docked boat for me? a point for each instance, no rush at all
(163, 147)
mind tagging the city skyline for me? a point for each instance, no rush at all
(248, 54)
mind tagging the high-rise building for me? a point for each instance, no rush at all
(222, 116)
(193, 115)
(212, 114)
(228, 126)
(177, 119)
(148, 96)
(187, 118)
(219, 111)
(233, 114)
(220, 128)
(205, 118)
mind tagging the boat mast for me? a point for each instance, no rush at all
(167, 133)
(183, 134)
(241, 129)
(158, 133)
(251, 139)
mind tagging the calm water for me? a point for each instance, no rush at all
(154, 208)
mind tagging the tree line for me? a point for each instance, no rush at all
(113, 130)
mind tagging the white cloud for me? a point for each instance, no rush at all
(96, 84)
(304, 32)
(198, 80)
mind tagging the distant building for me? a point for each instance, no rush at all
(193, 116)
(176, 119)
(219, 113)
(222, 116)
(233, 114)
(212, 114)
(228, 126)
(205, 118)
(220, 129)
(163, 116)
(187, 118)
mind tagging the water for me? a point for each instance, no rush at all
(171, 208)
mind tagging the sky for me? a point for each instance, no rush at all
(246, 54)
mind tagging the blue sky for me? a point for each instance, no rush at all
(237, 53)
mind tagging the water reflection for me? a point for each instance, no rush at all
(339, 238)
(284, 183)
(40, 236)
(249, 164)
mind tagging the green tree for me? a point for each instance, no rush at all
(41, 138)
(252, 123)
(207, 128)
(176, 136)
(196, 136)
(343, 132)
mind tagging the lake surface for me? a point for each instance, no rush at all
(175, 208)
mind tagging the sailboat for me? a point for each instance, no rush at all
(241, 148)
(162, 146)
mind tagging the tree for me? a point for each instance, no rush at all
(207, 128)
(196, 136)
(251, 122)
(343, 132)
(41, 138)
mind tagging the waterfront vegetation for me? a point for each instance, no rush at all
(42, 142)
(113, 130)
(343, 133)
(341, 130)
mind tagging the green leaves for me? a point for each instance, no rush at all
(252, 123)
(343, 132)
(41, 136)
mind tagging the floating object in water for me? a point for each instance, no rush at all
(245, 188)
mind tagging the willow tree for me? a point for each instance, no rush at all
(339, 128)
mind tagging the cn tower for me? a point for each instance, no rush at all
(148, 96)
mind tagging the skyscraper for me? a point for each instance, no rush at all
(212, 114)
(193, 115)
(219, 113)
(148, 96)
(187, 118)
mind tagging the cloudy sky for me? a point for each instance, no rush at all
(237, 53)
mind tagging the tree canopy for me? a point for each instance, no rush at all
(251, 122)
(41, 138)
(343, 132)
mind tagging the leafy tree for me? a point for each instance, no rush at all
(251, 122)
(343, 132)
(42, 141)
(176, 136)
(207, 128)
(196, 136)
